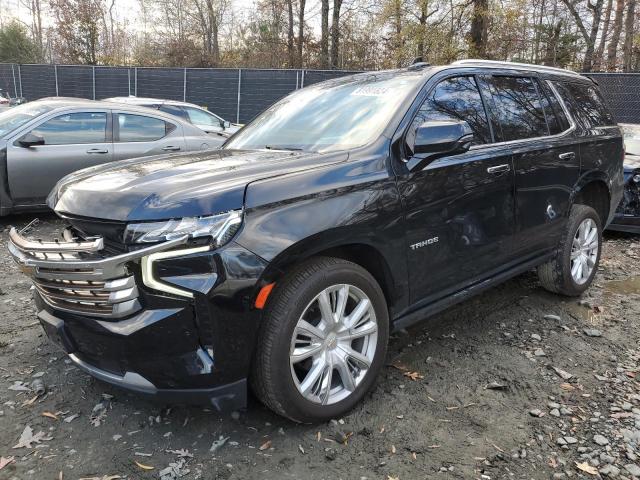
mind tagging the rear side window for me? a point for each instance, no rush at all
(519, 108)
(556, 118)
(585, 103)
(73, 128)
(173, 110)
(456, 98)
(140, 128)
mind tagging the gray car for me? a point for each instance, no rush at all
(42, 141)
(201, 118)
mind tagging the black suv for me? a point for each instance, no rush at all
(348, 209)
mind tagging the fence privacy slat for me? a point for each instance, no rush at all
(232, 94)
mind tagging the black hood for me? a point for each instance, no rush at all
(174, 186)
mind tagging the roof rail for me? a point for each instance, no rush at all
(529, 66)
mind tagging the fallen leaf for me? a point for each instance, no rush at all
(414, 456)
(391, 477)
(50, 415)
(567, 386)
(301, 449)
(585, 467)
(318, 436)
(143, 466)
(5, 461)
(393, 449)
(415, 376)
(265, 445)
(382, 429)
(562, 374)
(495, 386)
(27, 438)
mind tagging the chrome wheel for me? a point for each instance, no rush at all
(584, 251)
(333, 344)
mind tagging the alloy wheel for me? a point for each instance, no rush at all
(584, 251)
(333, 344)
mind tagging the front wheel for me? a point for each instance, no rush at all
(322, 342)
(571, 270)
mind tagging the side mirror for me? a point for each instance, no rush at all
(30, 140)
(436, 139)
(226, 124)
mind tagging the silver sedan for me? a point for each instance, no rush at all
(42, 141)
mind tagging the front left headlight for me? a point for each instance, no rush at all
(221, 228)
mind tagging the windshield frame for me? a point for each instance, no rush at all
(388, 125)
(45, 109)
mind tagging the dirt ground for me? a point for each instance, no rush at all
(516, 383)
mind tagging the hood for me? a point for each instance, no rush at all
(631, 162)
(174, 186)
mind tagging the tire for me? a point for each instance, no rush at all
(279, 382)
(556, 274)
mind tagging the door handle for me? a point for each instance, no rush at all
(567, 156)
(499, 168)
(97, 150)
(171, 148)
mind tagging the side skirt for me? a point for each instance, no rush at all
(431, 309)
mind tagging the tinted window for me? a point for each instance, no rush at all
(173, 110)
(70, 128)
(140, 128)
(200, 117)
(585, 103)
(518, 107)
(455, 98)
(556, 118)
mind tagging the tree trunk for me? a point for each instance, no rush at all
(612, 49)
(300, 31)
(290, 34)
(335, 33)
(479, 28)
(629, 32)
(596, 10)
(599, 55)
(324, 39)
(423, 27)
(552, 45)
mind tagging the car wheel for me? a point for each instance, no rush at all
(571, 270)
(322, 341)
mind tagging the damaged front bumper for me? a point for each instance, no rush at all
(167, 320)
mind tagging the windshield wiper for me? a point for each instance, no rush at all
(283, 147)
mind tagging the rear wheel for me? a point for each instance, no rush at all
(574, 266)
(322, 342)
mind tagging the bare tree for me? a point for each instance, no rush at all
(599, 55)
(589, 37)
(301, 6)
(612, 49)
(324, 39)
(479, 29)
(290, 33)
(629, 33)
(335, 33)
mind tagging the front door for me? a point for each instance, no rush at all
(72, 141)
(459, 210)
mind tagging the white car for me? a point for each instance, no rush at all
(198, 116)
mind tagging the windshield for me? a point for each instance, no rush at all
(631, 138)
(330, 116)
(17, 116)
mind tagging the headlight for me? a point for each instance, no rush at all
(636, 178)
(219, 227)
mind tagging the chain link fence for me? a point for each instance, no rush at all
(234, 94)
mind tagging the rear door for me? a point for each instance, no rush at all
(73, 140)
(545, 156)
(139, 135)
(459, 210)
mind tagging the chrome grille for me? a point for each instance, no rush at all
(113, 298)
(80, 276)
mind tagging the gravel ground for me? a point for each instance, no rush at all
(515, 383)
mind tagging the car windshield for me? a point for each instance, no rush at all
(17, 116)
(330, 116)
(631, 138)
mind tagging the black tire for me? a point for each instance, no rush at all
(555, 275)
(271, 379)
